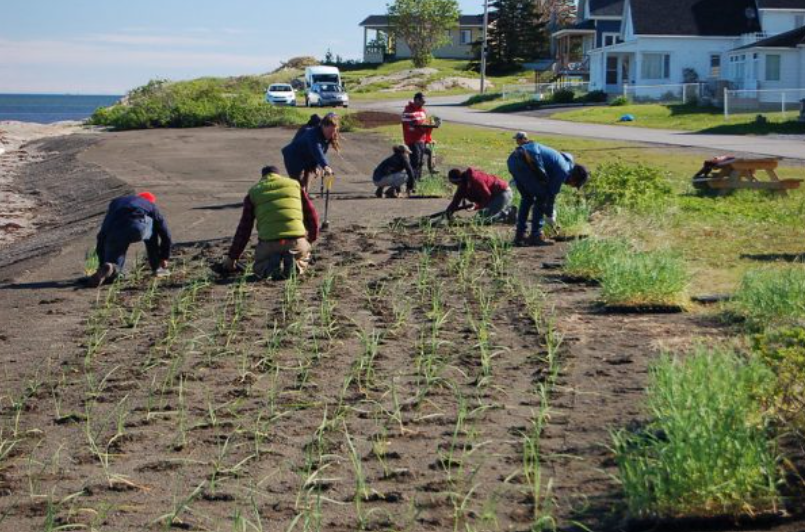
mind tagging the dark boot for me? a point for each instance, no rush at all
(379, 192)
(539, 240)
(511, 216)
(106, 271)
(519, 239)
(391, 192)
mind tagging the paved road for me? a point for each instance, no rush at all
(448, 108)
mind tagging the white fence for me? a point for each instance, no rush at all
(683, 93)
(542, 91)
(785, 101)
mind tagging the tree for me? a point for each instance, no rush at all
(423, 25)
(518, 33)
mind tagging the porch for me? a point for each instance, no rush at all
(572, 46)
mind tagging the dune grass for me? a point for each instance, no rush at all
(771, 297)
(708, 449)
(589, 258)
(649, 278)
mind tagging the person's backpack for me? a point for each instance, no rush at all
(538, 172)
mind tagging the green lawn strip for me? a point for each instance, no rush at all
(708, 448)
(685, 118)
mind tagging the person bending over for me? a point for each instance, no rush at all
(539, 173)
(307, 153)
(492, 197)
(287, 224)
(128, 220)
(393, 172)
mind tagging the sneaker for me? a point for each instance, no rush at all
(539, 240)
(511, 216)
(379, 192)
(105, 272)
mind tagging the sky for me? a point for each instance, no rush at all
(111, 46)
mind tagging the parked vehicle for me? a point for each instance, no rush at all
(281, 94)
(326, 94)
(322, 74)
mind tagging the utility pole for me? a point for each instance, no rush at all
(483, 47)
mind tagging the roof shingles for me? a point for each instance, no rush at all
(708, 18)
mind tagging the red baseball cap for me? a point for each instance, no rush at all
(148, 196)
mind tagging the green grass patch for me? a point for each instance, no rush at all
(645, 279)
(783, 350)
(590, 257)
(572, 215)
(623, 184)
(707, 450)
(435, 185)
(685, 118)
(771, 297)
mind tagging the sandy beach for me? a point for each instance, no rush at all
(18, 214)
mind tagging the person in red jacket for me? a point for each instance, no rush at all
(492, 197)
(416, 132)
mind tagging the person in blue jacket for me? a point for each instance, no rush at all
(131, 219)
(539, 173)
(307, 152)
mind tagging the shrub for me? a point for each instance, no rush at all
(656, 278)
(771, 297)
(620, 184)
(706, 450)
(563, 96)
(783, 350)
(481, 98)
(595, 97)
(620, 101)
(589, 258)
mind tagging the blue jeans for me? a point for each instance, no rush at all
(539, 206)
(118, 239)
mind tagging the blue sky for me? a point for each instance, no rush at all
(110, 46)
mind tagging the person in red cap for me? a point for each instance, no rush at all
(128, 220)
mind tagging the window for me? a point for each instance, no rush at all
(738, 65)
(772, 67)
(656, 66)
(610, 39)
(466, 37)
(715, 66)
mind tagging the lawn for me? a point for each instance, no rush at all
(719, 238)
(685, 118)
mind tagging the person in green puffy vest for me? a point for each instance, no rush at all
(287, 224)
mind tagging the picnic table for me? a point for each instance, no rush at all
(726, 174)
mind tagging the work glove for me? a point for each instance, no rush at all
(328, 171)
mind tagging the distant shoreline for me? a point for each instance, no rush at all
(52, 108)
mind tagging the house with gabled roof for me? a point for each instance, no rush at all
(598, 24)
(380, 45)
(677, 41)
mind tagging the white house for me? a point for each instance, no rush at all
(678, 41)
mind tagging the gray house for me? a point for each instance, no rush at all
(380, 46)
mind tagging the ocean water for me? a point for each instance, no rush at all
(49, 108)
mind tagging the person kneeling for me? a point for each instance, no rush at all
(128, 220)
(287, 223)
(492, 197)
(393, 172)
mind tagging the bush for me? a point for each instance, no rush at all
(563, 96)
(644, 279)
(235, 102)
(595, 97)
(620, 184)
(620, 101)
(589, 258)
(783, 350)
(771, 297)
(707, 449)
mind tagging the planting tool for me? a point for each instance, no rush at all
(725, 174)
(327, 180)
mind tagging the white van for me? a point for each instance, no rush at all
(322, 74)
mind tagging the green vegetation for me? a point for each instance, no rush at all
(706, 450)
(621, 184)
(202, 102)
(685, 118)
(651, 278)
(771, 297)
(783, 350)
(424, 25)
(590, 257)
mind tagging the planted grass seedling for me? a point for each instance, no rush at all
(589, 258)
(645, 280)
(770, 297)
(709, 448)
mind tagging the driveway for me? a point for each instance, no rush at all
(449, 109)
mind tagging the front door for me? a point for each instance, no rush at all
(613, 74)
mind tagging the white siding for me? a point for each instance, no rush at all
(627, 30)
(774, 22)
(454, 50)
(690, 52)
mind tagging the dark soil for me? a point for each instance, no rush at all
(204, 403)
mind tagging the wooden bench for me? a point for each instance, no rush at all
(723, 175)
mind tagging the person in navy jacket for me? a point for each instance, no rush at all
(307, 152)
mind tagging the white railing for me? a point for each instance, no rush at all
(542, 91)
(752, 38)
(669, 93)
(763, 101)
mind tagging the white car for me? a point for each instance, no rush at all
(281, 94)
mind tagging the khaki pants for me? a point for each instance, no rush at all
(278, 259)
